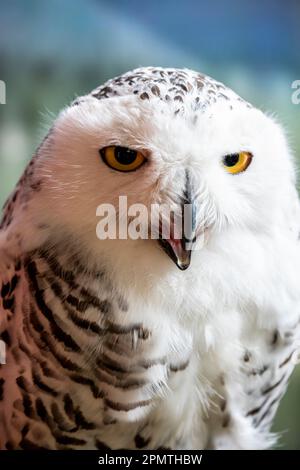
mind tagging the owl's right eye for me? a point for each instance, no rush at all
(122, 158)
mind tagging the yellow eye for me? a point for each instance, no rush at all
(237, 162)
(122, 158)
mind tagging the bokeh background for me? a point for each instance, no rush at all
(54, 50)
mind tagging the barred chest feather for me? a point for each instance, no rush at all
(84, 366)
(89, 366)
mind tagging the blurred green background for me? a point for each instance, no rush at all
(51, 51)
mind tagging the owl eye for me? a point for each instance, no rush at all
(237, 162)
(122, 158)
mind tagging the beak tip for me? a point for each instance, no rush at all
(182, 266)
(182, 259)
(184, 263)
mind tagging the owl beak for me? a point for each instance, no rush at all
(176, 250)
(180, 249)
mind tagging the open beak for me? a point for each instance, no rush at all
(180, 250)
(176, 250)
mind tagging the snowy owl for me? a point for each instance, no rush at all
(108, 344)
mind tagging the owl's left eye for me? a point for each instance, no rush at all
(237, 162)
(122, 158)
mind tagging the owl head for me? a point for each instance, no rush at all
(165, 137)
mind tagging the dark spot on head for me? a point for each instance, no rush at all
(178, 98)
(144, 96)
(199, 84)
(225, 97)
(155, 90)
(183, 87)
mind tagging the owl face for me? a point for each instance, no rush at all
(225, 158)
